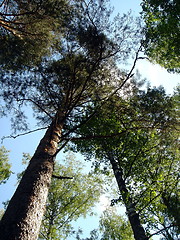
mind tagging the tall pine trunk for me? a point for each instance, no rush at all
(23, 216)
(133, 216)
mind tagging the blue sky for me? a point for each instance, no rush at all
(121, 6)
(154, 73)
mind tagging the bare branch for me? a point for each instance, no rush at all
(61, 177)
(22, 134)
(129, 75)
(160, 231)
(35, 103)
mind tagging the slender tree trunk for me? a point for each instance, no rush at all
(23, 216)
(133, 216)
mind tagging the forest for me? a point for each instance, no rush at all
(105, 140)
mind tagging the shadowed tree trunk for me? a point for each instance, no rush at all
(24, 213)
(133, 216)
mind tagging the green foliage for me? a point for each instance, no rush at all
(31, 30)
(172, 203)
(69, 199)
(130, 119)
(114, 226)
(77, 76)
(135, 127)
(140, 133)
(37, 29)
(162, 32)
(111, 227)
(64, 86)
(4, 165)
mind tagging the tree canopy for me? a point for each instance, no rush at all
(69, 199)
(61, 89)
(79, 72)
(140, 142)
(79, 95)
(112, 226)
(162, 32)
(31, 30)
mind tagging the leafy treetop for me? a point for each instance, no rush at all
(162, 32)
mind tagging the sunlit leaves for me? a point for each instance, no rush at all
(4, 165)
(114, 226)
(140, 133)
(162, 32)
(69, 199)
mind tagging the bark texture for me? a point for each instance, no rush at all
(24, 213)
(133, 216)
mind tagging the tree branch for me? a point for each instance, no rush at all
(61, 177)
(100, 136)
(22, 134)
(160, 231)
(35, 103)
(129, 75)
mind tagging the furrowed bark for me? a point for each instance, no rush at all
(23, 216)
(133, 216)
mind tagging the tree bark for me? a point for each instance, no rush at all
(133, 216)
(23, 216)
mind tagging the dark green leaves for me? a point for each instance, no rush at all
(31, 30)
